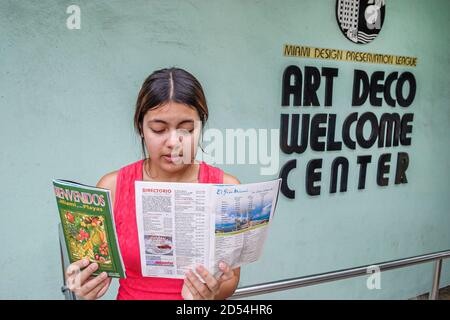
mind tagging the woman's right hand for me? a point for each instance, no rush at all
(80, 281)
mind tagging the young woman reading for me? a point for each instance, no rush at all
(170, 113)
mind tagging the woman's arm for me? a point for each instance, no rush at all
(108, 181)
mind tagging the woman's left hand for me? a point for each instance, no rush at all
(194, 289)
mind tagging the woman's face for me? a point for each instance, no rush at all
(171, 134)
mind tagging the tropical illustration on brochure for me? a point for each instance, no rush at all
(87, 237)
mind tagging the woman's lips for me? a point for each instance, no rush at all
(174, 159)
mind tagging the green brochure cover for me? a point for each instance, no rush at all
(88, 225)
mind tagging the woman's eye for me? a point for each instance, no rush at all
(157, 131)
(187, 130)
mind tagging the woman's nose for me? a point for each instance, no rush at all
(175, 138)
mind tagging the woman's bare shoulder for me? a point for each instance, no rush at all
(229, 179)
(108, 181)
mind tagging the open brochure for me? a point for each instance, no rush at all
(87, 222)
(182, 225)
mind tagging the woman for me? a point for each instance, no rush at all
(171, 111)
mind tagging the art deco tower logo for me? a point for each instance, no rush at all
(360, 20)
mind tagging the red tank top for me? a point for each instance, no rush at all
(135, 286)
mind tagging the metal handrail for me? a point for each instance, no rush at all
(310, 280)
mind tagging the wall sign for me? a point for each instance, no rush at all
(392, 92)
(360, 20)
(300, 51)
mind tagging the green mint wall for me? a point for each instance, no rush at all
(67, 101)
